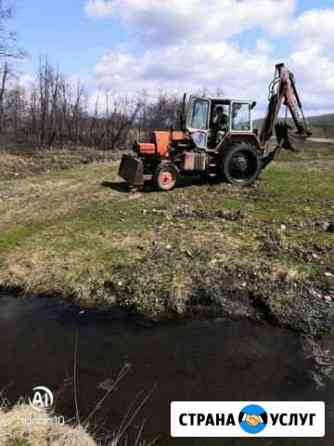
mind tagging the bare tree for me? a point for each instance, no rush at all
(54, 111)
(161, 113)
(4, 79)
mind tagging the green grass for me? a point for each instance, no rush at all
(12, 237)
(21, 443)
(67, 233)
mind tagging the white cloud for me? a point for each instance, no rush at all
(312, 58)
(316, 26)
(162, 22)
(188, 68)
(185, 44)
(189, 45)
(321, 78)
(99, 8)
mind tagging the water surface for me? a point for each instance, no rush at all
(194, 360)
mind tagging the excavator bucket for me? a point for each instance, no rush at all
(287, 138)
(284, 136)
(132, 170)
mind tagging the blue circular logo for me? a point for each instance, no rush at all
(253, 419)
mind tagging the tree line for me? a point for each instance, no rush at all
(56, 111)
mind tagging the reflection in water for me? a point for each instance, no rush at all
(199, 360)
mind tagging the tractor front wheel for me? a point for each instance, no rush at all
(165, 176)
(240, 164)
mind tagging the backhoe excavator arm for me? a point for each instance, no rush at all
(283, 91)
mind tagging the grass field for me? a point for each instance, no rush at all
(264, 252)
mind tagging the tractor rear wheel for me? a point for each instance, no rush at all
(165, 176)
(240, 164)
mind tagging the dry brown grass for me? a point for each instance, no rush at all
(23, 425)
(22, 162)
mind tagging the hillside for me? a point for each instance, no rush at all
(322, 120)
(322, 126)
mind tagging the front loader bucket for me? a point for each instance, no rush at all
(132, 170)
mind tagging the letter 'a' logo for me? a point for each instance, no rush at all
(42, 399)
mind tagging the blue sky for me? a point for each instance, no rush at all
(130, 45)
(62, 31)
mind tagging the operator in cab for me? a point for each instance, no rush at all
(220, 123)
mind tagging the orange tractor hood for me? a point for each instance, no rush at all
(160, 142)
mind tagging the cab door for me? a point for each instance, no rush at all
(197, 121)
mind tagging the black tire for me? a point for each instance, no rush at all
(165, 177)
(240, 164)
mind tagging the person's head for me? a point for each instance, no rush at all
(219, 110)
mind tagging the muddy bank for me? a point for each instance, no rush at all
(234, 292)
(173, 282)
(210, 291)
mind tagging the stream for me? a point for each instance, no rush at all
(216, 360)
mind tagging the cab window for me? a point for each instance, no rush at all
(199, 119)
(241, 117)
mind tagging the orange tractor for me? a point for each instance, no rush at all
(218, 140)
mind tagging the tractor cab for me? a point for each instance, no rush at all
(209, 120)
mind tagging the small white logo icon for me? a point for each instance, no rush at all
(42, 399)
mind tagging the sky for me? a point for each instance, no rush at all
(127, 46)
